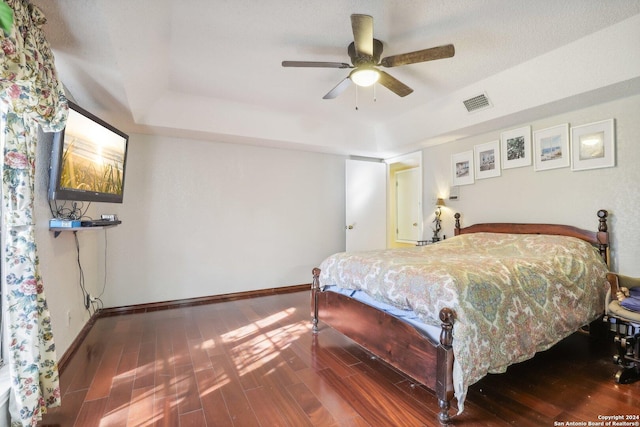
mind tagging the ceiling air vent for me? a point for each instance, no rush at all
(476, 103)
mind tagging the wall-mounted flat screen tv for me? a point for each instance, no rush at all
(88, 160)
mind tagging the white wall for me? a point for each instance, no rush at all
(59, 263)
(203, 218)
(553, 196)
(199, 218)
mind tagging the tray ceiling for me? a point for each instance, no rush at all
(212, 69)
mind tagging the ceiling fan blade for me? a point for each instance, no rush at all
(362, 26)
(310, 64)
(393, 84)
(340, 87)
(440, 52)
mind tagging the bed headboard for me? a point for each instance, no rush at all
(599, 238)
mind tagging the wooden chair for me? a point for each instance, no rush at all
(626, 326)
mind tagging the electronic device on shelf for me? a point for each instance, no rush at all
(64, 223)
(99, 222)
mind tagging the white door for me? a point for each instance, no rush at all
(366, 205)
(408, 205)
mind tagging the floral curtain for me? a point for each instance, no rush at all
(32, 96)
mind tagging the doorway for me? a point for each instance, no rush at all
(373, 208)
(404, 201)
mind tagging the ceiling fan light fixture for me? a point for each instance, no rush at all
(364, 76)
(365, 53)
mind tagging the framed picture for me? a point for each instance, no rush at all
(487, 159)
(462, 168)
(516, 147)
(551, 148)
(593, 146)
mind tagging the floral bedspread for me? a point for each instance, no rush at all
(513, 294)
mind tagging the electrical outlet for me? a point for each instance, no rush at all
(87, 302)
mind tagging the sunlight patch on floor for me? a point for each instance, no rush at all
(252, 328)
(260, 342)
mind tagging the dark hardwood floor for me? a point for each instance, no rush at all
(255, 362)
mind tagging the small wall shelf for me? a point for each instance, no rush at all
(58, 230)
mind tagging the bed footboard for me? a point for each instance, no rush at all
(392, 340)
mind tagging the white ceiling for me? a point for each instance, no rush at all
(212, 69)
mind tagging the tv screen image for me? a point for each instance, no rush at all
(88, 160)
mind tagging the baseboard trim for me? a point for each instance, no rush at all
(166, 305)
(66, 357)
(189, 302)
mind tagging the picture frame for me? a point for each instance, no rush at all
(462, 168)
(487, 160)
(593, 145)
(516, 147)
(551, 148)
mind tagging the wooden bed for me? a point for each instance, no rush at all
(403, 346)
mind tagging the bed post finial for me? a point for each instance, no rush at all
(456, 231)
(447, 317)
(315, 288)
(602, 217)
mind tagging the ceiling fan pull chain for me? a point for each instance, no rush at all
(375, 98)
(356, 97)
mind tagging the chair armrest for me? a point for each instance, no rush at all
(618, 281)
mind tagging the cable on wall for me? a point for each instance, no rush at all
(98, 299)
(76, 211)
(91, 304)
(85, 294)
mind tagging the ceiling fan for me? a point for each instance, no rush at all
(365, 52)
